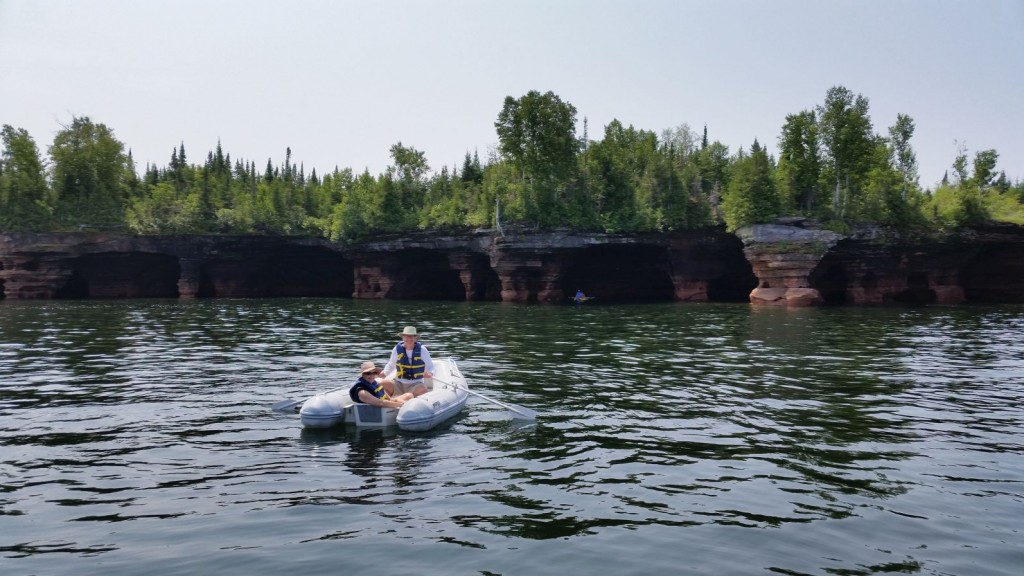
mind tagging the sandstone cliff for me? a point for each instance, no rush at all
(781, 264)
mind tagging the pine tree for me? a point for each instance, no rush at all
(751, 197)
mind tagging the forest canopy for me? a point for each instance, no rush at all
(833, 167)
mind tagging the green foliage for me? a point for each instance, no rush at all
(799, 163)
(976, 197)
(472, 172)
(361, 211)
(616, 166)
(984, 168)
(26, 203)
(662, 201)
(882, 200)
(163, 211)
(542, 176)
(903, 155)
(844, 127)
(1004, 207)
(537, 132)
(956, 206)
(89, 167)
(448, 204)
(751, 197)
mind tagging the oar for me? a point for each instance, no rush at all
(287, 404)
(522, 412)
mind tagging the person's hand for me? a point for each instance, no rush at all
(428, 374)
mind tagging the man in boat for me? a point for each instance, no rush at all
(369, 390)
(580, 297)
(411, 364)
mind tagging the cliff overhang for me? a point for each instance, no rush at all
(786, 263)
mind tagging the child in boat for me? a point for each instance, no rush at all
(368, 390)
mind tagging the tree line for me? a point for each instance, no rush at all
(832, 167)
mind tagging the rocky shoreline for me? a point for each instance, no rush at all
(785, 264)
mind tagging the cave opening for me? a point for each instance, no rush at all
(618, 273)
(918, 290)
(831, 282)
(995, 276)
(420, 274)
(121, 275)
(296, 272)
(735, 280)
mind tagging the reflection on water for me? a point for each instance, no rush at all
(677, 438)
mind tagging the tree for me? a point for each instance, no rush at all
(616, 166)
(25, 199)
(537, 133)
(360, 211)
(960, 164)
(751, 197)
(713, 172)
(410, 164)
(471, 169)
(164, 211)
(903, 155)
(985, 168)
(404, 187)
(800, 161)
(885, 195)
(961, 203)
(845, 131)
(682, 140)
(89, 167)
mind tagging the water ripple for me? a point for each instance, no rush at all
(709, 439)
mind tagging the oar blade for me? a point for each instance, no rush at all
(520, 412)
(285, 405)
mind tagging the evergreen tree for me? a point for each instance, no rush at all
(751, 197)
(799, 162)
(25, 199)
(471, 169)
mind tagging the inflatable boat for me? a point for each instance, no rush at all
(445, 398)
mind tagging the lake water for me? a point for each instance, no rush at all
(137, 438)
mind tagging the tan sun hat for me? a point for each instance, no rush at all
(368, 367)
(409, 331)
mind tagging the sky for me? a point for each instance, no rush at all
(341, 81)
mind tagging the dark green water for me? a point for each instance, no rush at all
(137, 438)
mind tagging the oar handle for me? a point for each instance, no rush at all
(288, 404)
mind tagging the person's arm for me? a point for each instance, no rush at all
(428, 364)
(372, 400)
(392, 363)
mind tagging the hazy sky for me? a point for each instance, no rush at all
(340, 81)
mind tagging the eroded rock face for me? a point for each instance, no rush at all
(781, 264)
(783, 259)
(45, 266)
(872, 266)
